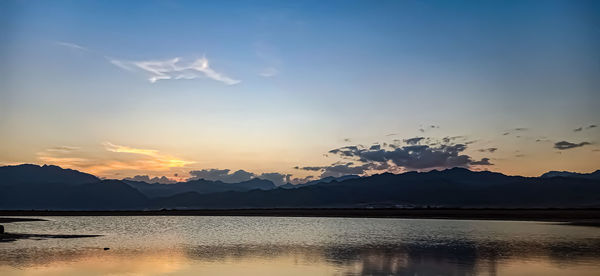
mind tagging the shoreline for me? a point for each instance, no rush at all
(588, 216)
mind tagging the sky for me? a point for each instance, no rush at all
(297, 90)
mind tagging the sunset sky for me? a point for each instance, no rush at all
(292, 89)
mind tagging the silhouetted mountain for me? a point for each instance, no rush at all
(28, 173)
(200, 186)
(101, 195)
(328, 179)
(51, 187)
(594, 175)
(449, 188)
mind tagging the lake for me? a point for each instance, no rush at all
(196, 245)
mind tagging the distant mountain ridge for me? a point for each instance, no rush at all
(200, 186)
(448, 188)
(51, 187)
(328, 179)
(593, 175)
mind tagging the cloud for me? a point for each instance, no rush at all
(490, 150)
(64, 149)
(223, 175)
(96, 165)
(277, 178)
(302, 180)
(168, 69)
(125, 149)
(346, 169)
(564, 145)
(269, 55)
(116, 160)
(414, 141)
(418, 153)
(412, 156)
(309, 168)
(518, 129)
(147, 179)
(125, 65)
(154, 159)
(341, 169)
(72, 46)
(65, 161)
(174, 69)
(269, 72)
(582, 128)
(482, 162)
(450, 139)
(422, 129)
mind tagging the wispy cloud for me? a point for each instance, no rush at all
(515, 130)
(71, 46)
(157, 160)
(115, 158)
(63, 149)
(169, 69)
(124, 149)
(269, 72)
(269, 54)
(174, 69)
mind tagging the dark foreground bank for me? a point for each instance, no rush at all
(590, 216)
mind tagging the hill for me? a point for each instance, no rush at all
(49, 187)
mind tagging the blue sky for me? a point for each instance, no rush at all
(287, 81)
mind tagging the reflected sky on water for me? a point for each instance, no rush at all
(300, 246)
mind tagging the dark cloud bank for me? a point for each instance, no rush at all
(418, 153)
(224, 175)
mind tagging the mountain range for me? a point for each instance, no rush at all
(49, 187)
(594, 175)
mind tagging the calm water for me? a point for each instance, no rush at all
(300, 246)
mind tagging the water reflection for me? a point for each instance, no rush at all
(453, 258)
(482, 249)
